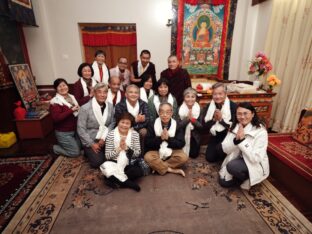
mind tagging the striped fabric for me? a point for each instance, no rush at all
(110, 151)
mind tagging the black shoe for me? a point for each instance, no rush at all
(130, 184)
(111, 184)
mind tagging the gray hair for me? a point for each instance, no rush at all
(189, 90)
(99, 86)
(132, 86)
(165, 103)
(217, 85)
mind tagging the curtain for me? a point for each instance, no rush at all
(117, 40)
(289, 47)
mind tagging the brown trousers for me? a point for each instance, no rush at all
(177, 159)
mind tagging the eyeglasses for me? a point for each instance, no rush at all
(240, 114)
(125, 63)
(165, 112)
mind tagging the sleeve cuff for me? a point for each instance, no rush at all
(236, 142)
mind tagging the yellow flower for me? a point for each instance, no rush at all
(273, 80)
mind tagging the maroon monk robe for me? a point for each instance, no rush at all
(179, 80)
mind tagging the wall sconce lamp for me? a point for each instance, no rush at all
(169, 23)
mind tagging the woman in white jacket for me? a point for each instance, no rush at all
(245, 146)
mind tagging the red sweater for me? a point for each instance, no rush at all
(78, 93)
(63, 118)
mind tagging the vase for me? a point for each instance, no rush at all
(19, 111)
(257, 82)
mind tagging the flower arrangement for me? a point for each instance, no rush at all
(260, 65)
(273, 81)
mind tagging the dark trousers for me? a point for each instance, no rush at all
(239, 170)
(194, 148)
(133, 172)
(95, 159)
(214, 152)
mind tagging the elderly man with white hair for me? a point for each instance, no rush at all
(164, 142)
(95, 120)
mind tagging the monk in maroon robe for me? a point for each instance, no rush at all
(178, 78)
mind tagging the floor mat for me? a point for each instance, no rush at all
(18, 177)
(74, 199)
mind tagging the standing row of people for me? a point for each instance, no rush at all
(128, 133)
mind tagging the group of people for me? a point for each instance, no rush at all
(129, 124)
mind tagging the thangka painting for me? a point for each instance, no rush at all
(24, 3)
(25, 84)
(204, 36)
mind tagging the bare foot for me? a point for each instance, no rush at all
(176, 171)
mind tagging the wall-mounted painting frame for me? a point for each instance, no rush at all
(203, 31)
(25, 84)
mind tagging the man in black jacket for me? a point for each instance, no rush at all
(164, 142)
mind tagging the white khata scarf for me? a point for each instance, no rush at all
(164, 151)
(141, 69)
(101, 119)
(226, 115)
(157, 101)
(134, 111)
(117, 169)
(110, 96)
(97, 76)
(183, 113)
(84, 86)
(143, 94)
(60, 100)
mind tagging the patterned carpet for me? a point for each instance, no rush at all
(18, 177)
(72, 198)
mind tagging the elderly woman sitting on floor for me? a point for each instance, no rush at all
(245, 147)
(95, 120)
(122, 152)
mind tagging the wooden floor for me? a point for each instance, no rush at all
(43, 146)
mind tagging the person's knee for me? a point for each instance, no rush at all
(231, 167)
(143, 132)
(183, 158)
(74, 153)
(95, 163)
(148, 157)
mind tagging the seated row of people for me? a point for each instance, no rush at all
(141, 71)
(168, 135)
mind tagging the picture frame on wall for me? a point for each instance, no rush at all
(25, 84)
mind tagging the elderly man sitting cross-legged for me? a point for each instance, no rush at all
(164, 143)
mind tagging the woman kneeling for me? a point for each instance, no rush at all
(245, 146)
(122, 151)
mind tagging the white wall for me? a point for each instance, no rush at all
(55, 50)
(251, 26)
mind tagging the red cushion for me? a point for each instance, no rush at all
(303, 133)
(292, 153)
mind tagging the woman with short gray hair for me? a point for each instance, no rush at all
(95, 120)
(190, 120)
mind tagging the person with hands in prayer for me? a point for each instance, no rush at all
(217, 118)
(245, 147)
(164, 142)
(190, 120)
(122, 151)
